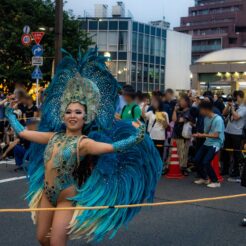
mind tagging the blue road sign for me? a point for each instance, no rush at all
(26, 29)
(37, 50)
(37, 74)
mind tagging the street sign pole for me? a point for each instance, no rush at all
(37, 85)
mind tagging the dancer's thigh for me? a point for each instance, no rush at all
(62, 219)
(44, 220)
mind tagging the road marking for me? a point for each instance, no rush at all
(7, 162)
(11, 179)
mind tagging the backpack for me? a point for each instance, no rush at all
(132, 110)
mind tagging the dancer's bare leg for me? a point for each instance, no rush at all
(44, 222)
(61, 219)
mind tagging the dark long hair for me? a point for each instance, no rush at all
(83, 171)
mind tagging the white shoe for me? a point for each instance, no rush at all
(201, 181)
(214, 185)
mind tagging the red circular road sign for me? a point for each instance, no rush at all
(26, 39)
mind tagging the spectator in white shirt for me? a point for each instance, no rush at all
(157, 123)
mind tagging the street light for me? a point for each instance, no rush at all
(42, 28)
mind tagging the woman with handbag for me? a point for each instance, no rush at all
(182, 130)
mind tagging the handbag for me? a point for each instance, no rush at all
(187, 130)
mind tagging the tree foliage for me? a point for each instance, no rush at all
(15, 59)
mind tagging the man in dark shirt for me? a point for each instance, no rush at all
(31, 110)
(169, 102)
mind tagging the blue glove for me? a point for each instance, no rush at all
(124, 144)
(16, 125)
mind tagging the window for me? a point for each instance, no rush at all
(156, 87)
(93, 25)
(146, 44)
(162, 82)
(135, 26)
(146, 58)
(151, 73)
(152, 46)
(134, 56)
(164, 33)
(139, 72)
(112, 41)
(103, 25)
(113, 55)
(141, 28)
(232, 40)
(122, 70)
(102, 41)
(145, 87)
(123, 41)
(134, 42)
(122, 56)
(140, 43)
(152, 59)
(158, 32)
(146, 29)
(146, 72)
(139, 87)
(123, 25)
(157, 74)
(163, 48)
(134, 85)
(153, 31)
(151, 87)
(157, 46)
(133, 72)
(140, 57)
(157, 60)
(113, 25)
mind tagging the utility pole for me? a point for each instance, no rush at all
(58, 30)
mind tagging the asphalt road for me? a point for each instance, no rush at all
(210, 223)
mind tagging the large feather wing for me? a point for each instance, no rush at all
(120, 178)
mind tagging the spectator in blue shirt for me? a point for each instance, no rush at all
(214, 139)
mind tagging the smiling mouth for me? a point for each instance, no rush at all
(72, 121)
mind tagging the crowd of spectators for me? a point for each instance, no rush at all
(202, 126)
(28, 114)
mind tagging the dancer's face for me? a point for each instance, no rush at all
(74, 117)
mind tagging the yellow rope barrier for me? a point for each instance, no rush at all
(26, 210)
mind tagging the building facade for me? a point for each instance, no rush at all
(137, 52)
(215, 25)
(220, 71)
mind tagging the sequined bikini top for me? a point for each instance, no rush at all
(64, 151)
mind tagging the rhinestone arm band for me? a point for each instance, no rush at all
(9, 113)
(124, 144)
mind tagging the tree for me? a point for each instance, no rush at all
(15, 59)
